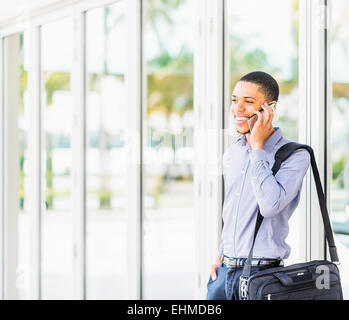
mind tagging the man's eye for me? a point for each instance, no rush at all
(249, 101)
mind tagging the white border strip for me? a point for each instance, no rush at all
(1, 170)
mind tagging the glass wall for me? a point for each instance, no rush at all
(168, 221)
(57, 116)
(106, 166)
(260, 40)
(339, 148)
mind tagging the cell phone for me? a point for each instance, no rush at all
(261, 110)
(272, 105)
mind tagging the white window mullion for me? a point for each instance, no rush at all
(311, 116)
(208, 138)
(133, 143)
(11, 164)
(200, 74)
(79, 156)
(303, 123)
(227, 116)
(317, 106)
(328, 28)
(34, 159)
(209, 229)
(214, 125)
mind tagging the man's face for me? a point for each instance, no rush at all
(246, 98)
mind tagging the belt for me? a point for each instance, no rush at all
(240, 262)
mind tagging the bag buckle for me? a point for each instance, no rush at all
(243, 287)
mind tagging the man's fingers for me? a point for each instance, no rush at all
(213, 272)
(266, 112)
(271, 114)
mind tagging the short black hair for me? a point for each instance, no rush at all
(267, 83)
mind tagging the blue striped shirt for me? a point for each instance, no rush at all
(249, 183)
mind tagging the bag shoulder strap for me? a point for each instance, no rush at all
(281, 155)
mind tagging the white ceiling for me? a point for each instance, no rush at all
(13, 8)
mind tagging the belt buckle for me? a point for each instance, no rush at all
(231, 262)
(235, 263)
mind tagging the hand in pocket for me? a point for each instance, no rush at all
(214, 272)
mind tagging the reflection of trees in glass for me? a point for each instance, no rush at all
(165, 90)
(244, 60)
(169, 85)
(170, 79)
(159, 11)
(54, 81)
(110, 23)
(49, 173)
(22, 194)
(23, 80)
(101, 138)
(339, 28)
(338, 171)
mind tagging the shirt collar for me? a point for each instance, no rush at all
(269, 144)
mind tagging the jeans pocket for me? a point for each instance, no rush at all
(209, 280)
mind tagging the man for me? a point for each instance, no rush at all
(249, 185)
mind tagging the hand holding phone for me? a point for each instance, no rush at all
(261, 110)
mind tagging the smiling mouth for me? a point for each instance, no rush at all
(241, 120)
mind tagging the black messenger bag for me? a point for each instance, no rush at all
(314, 280)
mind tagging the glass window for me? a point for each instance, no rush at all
(57, 182)
(168, 220)
(339, 148)
(260, 40)
(106, 166)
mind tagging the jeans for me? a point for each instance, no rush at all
(226, 285)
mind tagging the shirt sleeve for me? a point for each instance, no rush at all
(274, 193)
